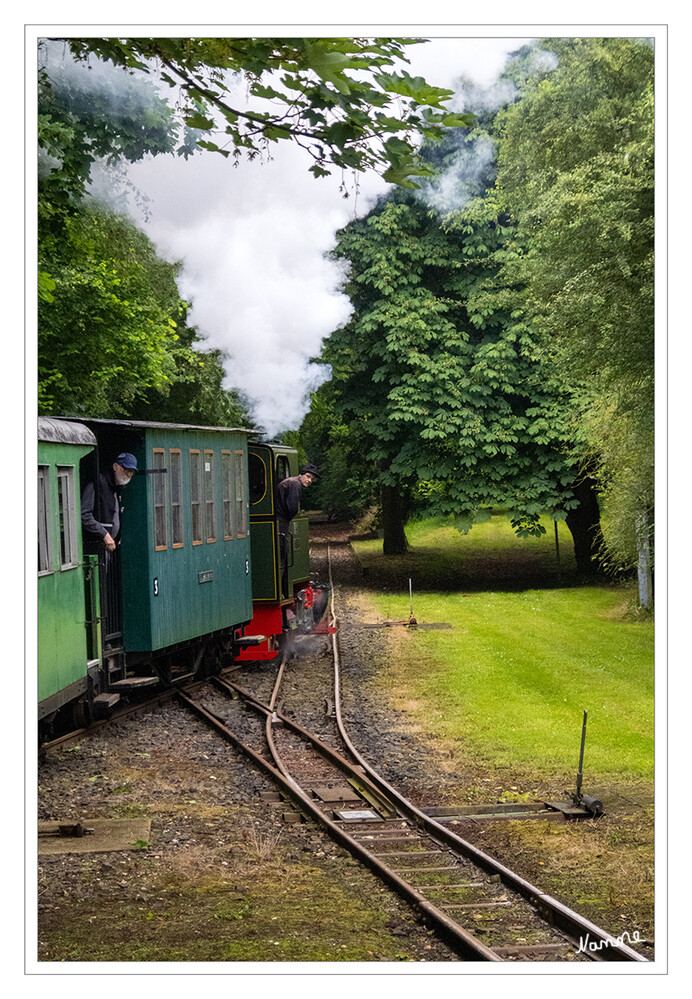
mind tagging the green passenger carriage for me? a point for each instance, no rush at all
(66, 581)
(182, 570)
(196, 581)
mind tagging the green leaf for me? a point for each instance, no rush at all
(46, 286)
(198, 120)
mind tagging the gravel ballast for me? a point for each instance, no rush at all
(225, 878)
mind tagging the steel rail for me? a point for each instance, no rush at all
(326, 751)
(464, 943)
(271, 715)
(471, 945)
(570, 922)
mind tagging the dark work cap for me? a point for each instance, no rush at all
(127, 460)
(309, 470)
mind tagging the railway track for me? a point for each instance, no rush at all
(482, 909)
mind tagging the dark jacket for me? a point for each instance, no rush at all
(288, 501)
(100, 511)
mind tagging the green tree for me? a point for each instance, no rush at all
(439, 382)
(196, 394)
(113, 339)
(347, 487)
(85, 117)
(109, 328)
(576, 170)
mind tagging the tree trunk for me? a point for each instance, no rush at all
(394, 514)
(646, 596)
(585, 524)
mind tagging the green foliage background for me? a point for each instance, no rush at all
(503, 351)
(497, 353)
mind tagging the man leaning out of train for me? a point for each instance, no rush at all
(101, 507)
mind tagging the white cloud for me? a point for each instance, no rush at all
(442, 60)
(253, 241)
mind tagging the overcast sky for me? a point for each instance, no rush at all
(252, 240)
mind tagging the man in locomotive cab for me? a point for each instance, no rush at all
(100, 505)
(288, 493)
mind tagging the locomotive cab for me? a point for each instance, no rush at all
(269, 464)
(284, 599)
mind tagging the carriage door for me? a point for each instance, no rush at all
(110, 585)
(111, 598)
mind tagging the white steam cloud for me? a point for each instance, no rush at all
(542, 61)
(462, 180)
(472, 97)
(253, 241)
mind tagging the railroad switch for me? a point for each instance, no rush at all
(560, 811)
(578, 809)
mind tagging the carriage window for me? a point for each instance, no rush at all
(258, 478)
(176, 481)
(159, 477)
(209, 496)
(227, 494)
(240, 507)
(282, 469)
(67, 517)
(43, 505)
(196, 496)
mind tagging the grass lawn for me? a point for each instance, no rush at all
(501, 694)
(489, 557)
(511, 678)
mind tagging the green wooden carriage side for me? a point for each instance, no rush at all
(62, 636)
(186, 537)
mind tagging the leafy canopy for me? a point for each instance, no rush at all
(101, 116)
(576, 169)
(112, 336)
(340, 99)
(443, 385)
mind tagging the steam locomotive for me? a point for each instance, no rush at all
(198, 581)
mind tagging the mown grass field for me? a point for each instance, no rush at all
(489, 557)
(524, 657)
